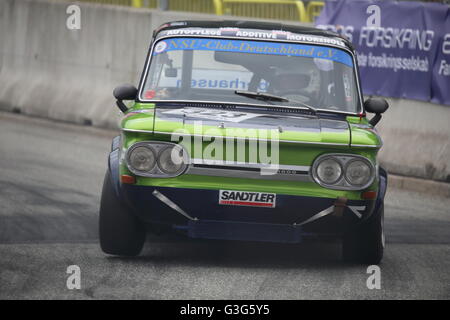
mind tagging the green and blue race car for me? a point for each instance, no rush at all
(246, 131)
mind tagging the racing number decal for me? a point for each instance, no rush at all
(218, 115)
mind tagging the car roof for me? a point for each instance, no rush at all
(243, 24)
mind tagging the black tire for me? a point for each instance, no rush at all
(120, 231)
(366, 243)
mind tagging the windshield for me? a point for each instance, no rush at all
(212, 70)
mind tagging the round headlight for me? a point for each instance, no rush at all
(329, 171)
(358, 172)
(171, 160)
(142, 159)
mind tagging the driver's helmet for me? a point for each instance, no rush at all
(289, 82)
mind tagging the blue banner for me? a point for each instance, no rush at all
(258, 47)
(441, 69)
(403, 47)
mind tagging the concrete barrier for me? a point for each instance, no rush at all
(49, 71)
(416, 139)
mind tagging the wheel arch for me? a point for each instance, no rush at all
(382, 189)
(113, 167)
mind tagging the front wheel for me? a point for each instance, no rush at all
(366, 243)
(120, 231)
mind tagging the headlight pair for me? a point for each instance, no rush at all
(343, 171)
(157, 159)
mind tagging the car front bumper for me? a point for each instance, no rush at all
(198, 214)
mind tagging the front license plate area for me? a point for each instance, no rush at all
(229, 230)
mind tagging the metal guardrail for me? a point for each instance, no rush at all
(313, 10)
(152, 4)
(266, 9)
(294, 10)
(201, 6)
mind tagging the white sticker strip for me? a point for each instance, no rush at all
(356, 209)
(319, 215)
(171, 204)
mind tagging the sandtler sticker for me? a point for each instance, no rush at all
(246, 198)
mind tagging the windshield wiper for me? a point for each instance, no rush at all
(312, 109)
(270, 97)
(260, 96)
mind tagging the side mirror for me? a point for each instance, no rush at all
(377, 106)
(124, 92)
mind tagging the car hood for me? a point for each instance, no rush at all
(286, 126)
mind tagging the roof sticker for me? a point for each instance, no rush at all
(257, 34)
(257, 47)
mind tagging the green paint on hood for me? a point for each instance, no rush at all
(247, 124)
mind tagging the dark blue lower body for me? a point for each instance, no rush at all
(228, 222)
(215, 221)
(245, 231)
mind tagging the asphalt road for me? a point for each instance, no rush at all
(50, 181)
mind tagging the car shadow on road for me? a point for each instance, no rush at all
(239, 254)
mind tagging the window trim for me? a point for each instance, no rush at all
(360, 108)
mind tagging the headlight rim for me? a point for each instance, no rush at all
(157, 147)
(371, 174)
(130, 151)
(183, 166)
(342, 183)
(335, 160)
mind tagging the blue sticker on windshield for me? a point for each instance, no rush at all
(258, 47)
